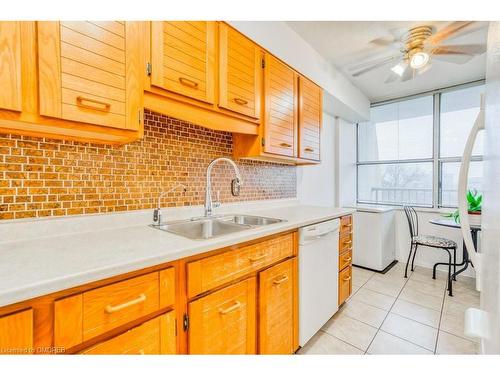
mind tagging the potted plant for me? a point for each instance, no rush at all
(474, 201)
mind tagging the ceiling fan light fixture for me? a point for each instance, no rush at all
(419, 60)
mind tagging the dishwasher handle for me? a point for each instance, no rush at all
(314, 232)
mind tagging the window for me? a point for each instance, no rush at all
(457, 114)
(403, 145)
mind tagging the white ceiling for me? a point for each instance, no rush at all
(345, 44)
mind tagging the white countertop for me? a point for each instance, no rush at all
(375, 208)
(41, 265)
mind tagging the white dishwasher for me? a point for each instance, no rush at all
(318, 276)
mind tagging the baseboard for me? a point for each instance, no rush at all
(392, 264)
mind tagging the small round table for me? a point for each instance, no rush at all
(465, 254)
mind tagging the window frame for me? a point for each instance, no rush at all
(436, 159)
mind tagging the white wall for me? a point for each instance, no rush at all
(316, 183)
(346, 100)
(346, 163)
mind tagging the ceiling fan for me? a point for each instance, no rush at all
(418, 46)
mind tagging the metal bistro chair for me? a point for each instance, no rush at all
(430, 241)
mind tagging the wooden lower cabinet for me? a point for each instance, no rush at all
(223, 322)
(16, 333)
(242, 299)
(345, 284)
(277, 313)
(345, 258)
(156, 336)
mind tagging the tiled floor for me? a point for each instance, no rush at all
(388, 314)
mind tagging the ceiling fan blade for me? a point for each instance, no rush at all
(386, 42)
(451, 30)
(454, 58)
(371, 65)
(461, 49)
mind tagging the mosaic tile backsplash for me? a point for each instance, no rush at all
(47, 177)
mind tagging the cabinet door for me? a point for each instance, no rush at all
(156, 336)
(345, 284)
(223, 322)
(240, 72)
(10, 65)
(310, 117)
(89, 72)
(277, 313)
(280, 108)
(183, 58)
(16, 333)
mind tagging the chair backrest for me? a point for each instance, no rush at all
(411, 216)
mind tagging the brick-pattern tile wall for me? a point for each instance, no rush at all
(47, 177)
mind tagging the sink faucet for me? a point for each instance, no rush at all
(235, 183)
(157, 212)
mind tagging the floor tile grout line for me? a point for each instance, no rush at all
(411, 342)
(414, 320)
(389, 311)
(338, 338)
(440, 318)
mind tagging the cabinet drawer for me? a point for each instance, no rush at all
(113, 305)
(16, 333)
(345, 284)
(345, 259)
(156, 336)
(346, 224)
(223, 322)
(345, 243)
(277, 308)
(210, 272)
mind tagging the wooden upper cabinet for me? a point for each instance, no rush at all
(223, 322)
(240, 72)
(310, 118)
(280, 122)
(90, 72)
(183, 58)
(277, 313)
(10, 65)
(16, 333)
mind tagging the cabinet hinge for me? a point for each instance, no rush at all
(176, 327)
(263, 63)
(148, 68)
(263, 141)
(139, 116)
(185, 322)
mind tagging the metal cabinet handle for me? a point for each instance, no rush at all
(188, 82)
(280, 280)
(240, 101)
(111, 309)
(348, 259)
(92, 104)
(347, 278)
(236, 305)
(348, 242)
(285, 145)
(309, 149)
(256, 258)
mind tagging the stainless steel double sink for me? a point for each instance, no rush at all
(209, 227)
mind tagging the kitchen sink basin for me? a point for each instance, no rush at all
(250, 220)
(205, 228)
